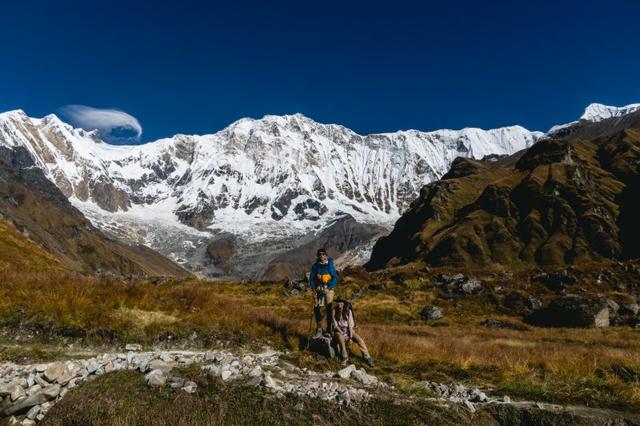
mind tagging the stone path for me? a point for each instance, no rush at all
(27, 392)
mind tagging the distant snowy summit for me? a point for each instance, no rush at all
(597, 112)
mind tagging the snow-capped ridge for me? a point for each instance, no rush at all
(598, 112)
(259, 179)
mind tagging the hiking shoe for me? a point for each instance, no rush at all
(369, 361)
(318, 333)
(343, 362)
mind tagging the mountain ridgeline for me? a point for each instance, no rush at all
(254, 200)
(228, 204)
(571, 198)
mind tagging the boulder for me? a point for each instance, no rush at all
(572, 311)
(630, 310)
(190, 387)
(61, 372)
(470, 286)
(18, 392)
(294, 287)
(133, 347)
(33, 412)
(8, 389)
(458, 284)
(323, 346)
(155, 378)
(364, 378)
(430, 312)
(345, 373)
(41, 397)
(157, 364)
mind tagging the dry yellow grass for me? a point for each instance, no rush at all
(592, 366)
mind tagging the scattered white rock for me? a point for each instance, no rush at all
(345, 373)
(155, 378)
(190, 387)
(364, 378)
(133, 347)
(226, 374)
(469, 406)
(18, 392)
(33, 412)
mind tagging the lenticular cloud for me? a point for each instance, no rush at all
(110, 122)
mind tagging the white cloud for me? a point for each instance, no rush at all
(105, 120)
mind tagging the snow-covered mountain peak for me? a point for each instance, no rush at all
(13, 114)
(262, 179)
(598, 112)
(594, 113)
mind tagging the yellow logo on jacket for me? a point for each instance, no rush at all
(323, 278)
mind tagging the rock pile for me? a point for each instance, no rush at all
(27, 392)
(457, 285)
(461, 394)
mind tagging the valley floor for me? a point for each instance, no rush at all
(47, 316)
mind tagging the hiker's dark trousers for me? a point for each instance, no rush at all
(326, 300)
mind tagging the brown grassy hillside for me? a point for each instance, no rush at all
(36, 207)
(559, 202)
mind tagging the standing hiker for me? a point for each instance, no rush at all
(344, 325)
(323, 280)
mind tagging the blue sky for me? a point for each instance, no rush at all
(194, 67)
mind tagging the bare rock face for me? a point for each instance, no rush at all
(572, 311)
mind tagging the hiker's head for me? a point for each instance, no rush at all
(339, 304)
(322, 254)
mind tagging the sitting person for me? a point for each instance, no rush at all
(343, 326)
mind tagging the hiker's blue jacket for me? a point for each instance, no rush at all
(323, 274)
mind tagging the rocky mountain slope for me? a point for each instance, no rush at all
(268, 182)
(43, 215)
(570, 198)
